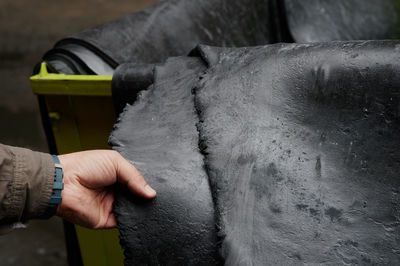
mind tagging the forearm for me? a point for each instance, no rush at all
(26, 181)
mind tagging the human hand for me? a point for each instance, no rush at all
(88, 196)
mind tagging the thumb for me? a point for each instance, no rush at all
(128, 175)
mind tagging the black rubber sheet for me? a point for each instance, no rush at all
(170, 28)
(158, 135)
(299, 147)
(327, 20)
(174, 27)
(298, 142)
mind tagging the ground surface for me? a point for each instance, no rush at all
(27, 30)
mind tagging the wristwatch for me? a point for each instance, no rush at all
(58, 186)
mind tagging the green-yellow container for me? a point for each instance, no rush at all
(82, 115)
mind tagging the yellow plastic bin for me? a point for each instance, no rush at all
(82, 115)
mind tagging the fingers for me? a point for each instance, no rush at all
(127, 174)
(111, 222)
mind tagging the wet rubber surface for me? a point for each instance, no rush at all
(300, 149)
(26, 42)
(325, 20)
(158, 135)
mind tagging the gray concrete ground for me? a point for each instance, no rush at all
(27, 29)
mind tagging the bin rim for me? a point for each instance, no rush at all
(45, 83)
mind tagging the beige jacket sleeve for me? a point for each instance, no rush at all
(26, 183)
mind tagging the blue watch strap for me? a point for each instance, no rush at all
(58, 186)
(58, 182)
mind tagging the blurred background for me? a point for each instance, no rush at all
(27, 30)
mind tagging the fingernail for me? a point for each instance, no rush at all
(149, 190)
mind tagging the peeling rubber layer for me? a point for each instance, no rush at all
(300, 146)
(158, 135)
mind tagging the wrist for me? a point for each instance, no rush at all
(58, 185)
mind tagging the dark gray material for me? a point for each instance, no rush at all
(158, 135)
(78, 57)
(174, 27)
(93, 61)
(328, 20)
(128, 80)
(170, 28)
(302, 151)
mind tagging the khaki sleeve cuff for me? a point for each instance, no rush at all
(32, 185)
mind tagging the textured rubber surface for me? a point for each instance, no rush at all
(301, 149)
(302, 152)
(128, 80)
(158, 135)
(327, 20)
(174, 27)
